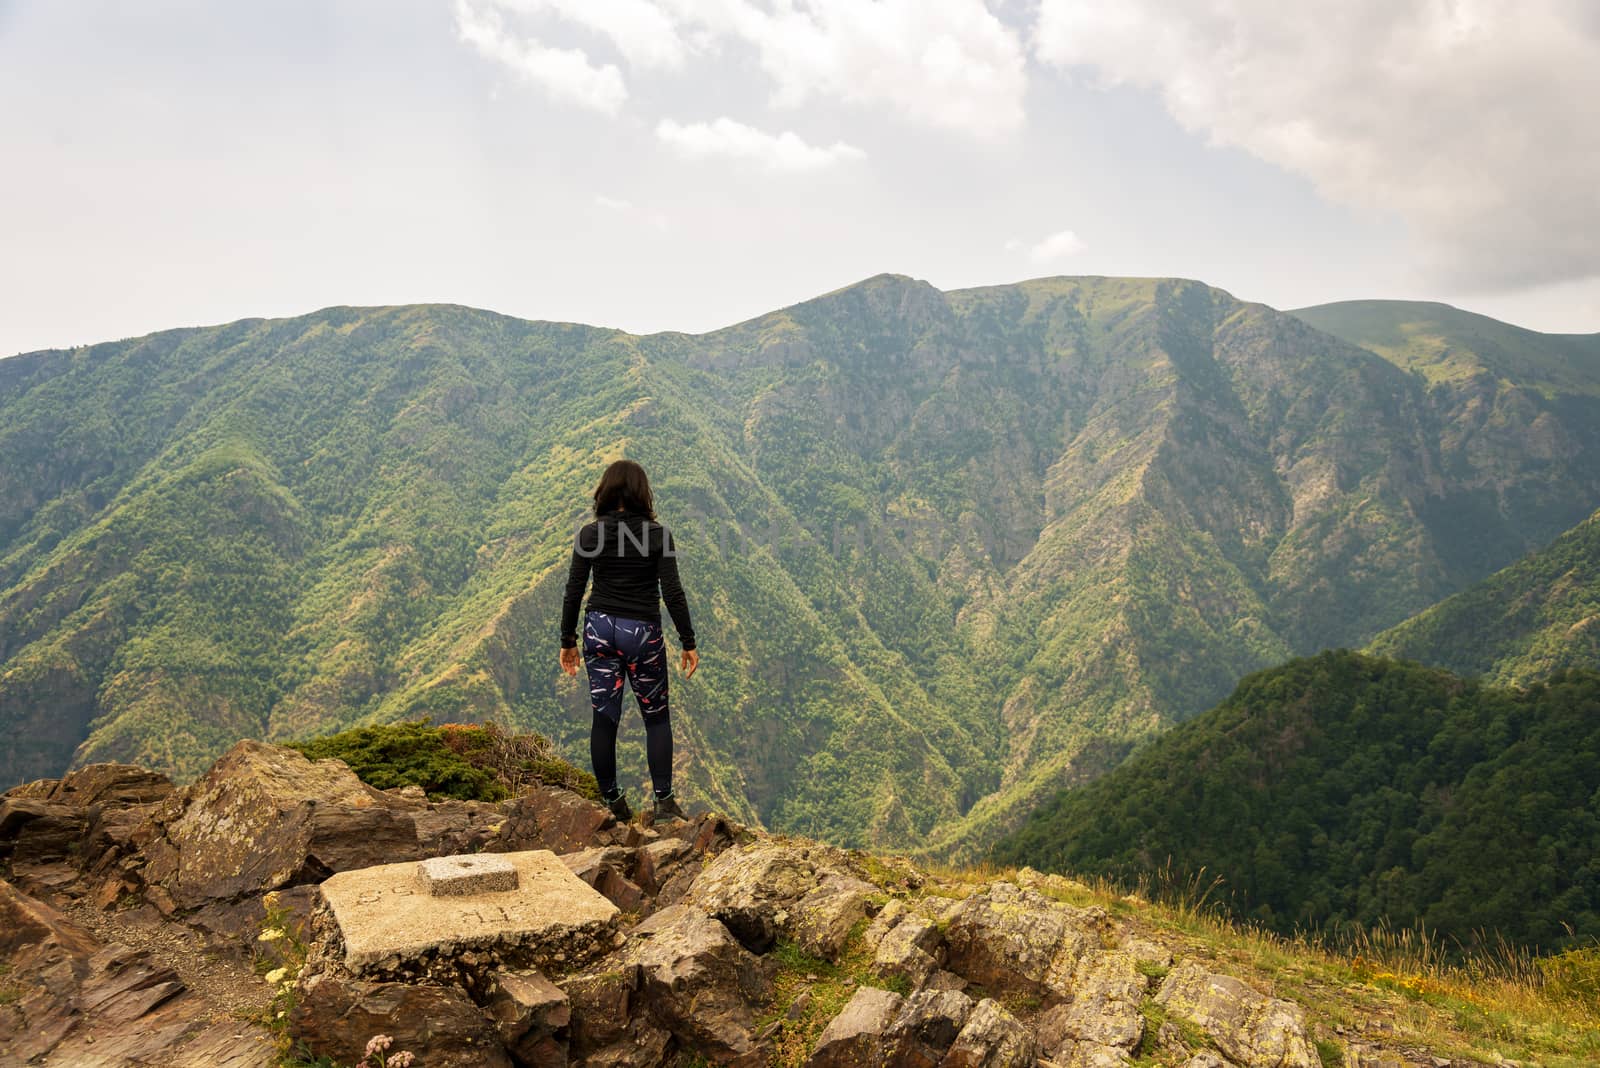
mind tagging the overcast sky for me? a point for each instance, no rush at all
(684, 164)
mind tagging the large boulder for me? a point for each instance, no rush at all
(1102, 1024)
(925, 1029)
(531, 1015)
(264, 817)
(697, 981)
(854, 1037)
(992, 1038)
(821, 921)
(335, 1016)
(1251, 1028)
(757, 890)
(1006, 938)
(548, 817)
(609, 1024)
(911, 950)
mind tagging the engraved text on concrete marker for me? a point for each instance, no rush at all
(476, 873)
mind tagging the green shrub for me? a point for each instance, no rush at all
(469, 763)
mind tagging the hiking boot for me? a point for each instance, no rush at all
(667, 808)
(619, 808)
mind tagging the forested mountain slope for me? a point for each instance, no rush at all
(946, 551)
(1346, 788)
(1524, 623)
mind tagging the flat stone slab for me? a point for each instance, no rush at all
(472, 873)
(388, 915)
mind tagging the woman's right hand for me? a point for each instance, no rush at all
(690, 661)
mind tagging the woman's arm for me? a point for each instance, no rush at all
(672, 591)
(577, 580)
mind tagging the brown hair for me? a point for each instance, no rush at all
(624, 485)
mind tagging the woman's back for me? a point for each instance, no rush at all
(634, 564)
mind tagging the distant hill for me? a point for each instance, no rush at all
(1448, 345)
(1349, 788)
(947, 552)
(1534, 618)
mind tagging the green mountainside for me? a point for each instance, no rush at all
(947, 552)
(1534, 618)
(1445, 344)
(1344, 788)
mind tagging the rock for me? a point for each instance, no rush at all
(909, 951)
(892, 912)
(605, 1028)
(1247, 1026)
(854, 1038)
(34, 830)
(528, 1010)
(1104, 1011)
(82, 1003)
(655, 861)
(991, 1038)
(943, 980)
(462, 875)
(385, 915)
(590, 864)
(925, 1029)
(697, 981)
(602, 868)
(821, 921)
(124, 984)
(334, 1017)
(621, 891)
(1007, 938)
(1207, 1059)
(265, 817)
(548, 817)
(111, 784)
(751, 889)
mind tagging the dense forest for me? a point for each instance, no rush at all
(947, 552)
(1344, 788)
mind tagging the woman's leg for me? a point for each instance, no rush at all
(604, 661)
(645, 653)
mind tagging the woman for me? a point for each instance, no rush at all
(635, 562)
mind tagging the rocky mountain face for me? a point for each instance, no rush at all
(548, 934)
(947, 551)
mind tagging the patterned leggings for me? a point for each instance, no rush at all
(615, 648)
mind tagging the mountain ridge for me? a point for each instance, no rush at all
(1020, 527)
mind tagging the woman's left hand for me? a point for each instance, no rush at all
(569, 660)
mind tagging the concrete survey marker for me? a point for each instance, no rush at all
(475, 873)
(400, 912)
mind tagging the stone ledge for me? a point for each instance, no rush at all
(386, 914)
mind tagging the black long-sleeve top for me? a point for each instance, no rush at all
(635, 565)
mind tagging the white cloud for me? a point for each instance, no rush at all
(641, 30)
(948, 63)
(564, 73)
(1059, 245)
(728, 139)
(1471, 120)
(612, 203)
(945, 63)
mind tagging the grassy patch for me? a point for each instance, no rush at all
(829, 986)
(468, 763)
(1152, 970)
